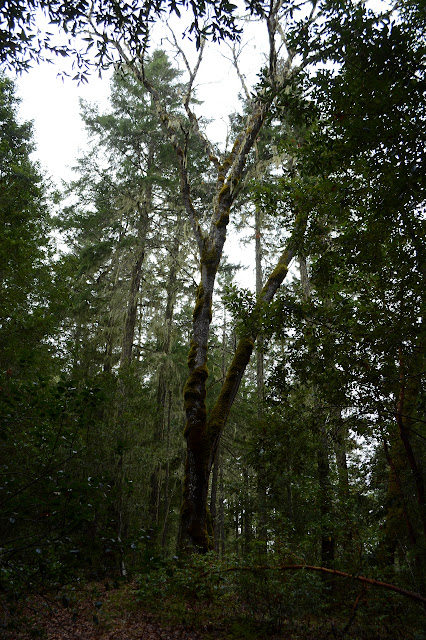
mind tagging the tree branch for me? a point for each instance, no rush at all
(307, 567)
(191, 115)
(231, 384)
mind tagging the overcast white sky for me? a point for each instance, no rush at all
(53, 103)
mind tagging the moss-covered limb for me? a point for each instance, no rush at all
(222, 407)
(194, 395)
(249, 136)
(223, 219)
(199, 301)
(279, 273)
(229, 160)
(276, 278)
(210, 258)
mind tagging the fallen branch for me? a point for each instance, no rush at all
(342, 574)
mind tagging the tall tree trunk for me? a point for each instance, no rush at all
(261, 480)
(325, 494)
(324, 480)
(346, 533)
(163, 386)
(167, 475)
(132, 307)
(221, 530)
(202, 433)
(213, 495)
(135, 280)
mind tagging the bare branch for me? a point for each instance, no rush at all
(191, 115)
(241, 77)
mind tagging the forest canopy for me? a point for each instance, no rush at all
(164, 426)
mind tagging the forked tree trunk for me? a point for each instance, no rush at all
(202, 432)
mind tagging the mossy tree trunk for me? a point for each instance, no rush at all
(202, 431)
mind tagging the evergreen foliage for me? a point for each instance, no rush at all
(311, 456)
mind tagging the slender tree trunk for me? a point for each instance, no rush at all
(132, 307)
(261, 480)
(217, 460)
(213, 494)
(247, 511)
(340, 450)
(221, 531)
(324, 480)
(327, 528)
(135, 280)
(163, 387)
(167, 475)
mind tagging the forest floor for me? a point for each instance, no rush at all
(103, 611)
(99, 612)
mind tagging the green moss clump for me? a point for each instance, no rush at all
(223, 192)
(191, 355)
(280, 272)
(196, 379)
(225, 166)
(224, 219)
(199, 301)
(209, 258)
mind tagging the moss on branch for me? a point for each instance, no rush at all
(229, 389)
(224, 190)
(192, 355)
(223, 219)
(199, 302)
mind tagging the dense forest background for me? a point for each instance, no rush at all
(160, 424)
